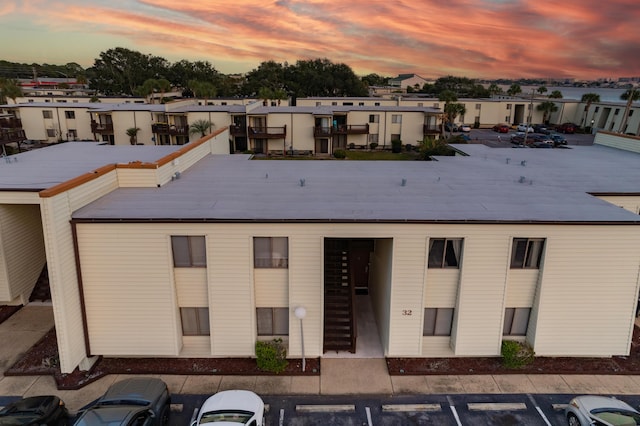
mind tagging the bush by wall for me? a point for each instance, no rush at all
(271, 356)
(516, 354)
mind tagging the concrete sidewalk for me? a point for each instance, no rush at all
(339, 376)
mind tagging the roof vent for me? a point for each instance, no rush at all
(404, 182)
(523, 163)
(522, 179)
(302, 182)
(508, 159)
(266, 176)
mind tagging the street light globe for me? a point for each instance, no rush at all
(300, 312)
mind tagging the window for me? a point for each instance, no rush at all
(51, 133)
(508, 106)
(396, 118)
(347, 103)
(195, 321)
(436, 105)
(478, 106)
(70, 114)
(507, 119)
(437, 322)
(270, 252)
(334, 103)
(360, 103)
(47, 114)
(189, 251)
(73, 133)
(616, 111)
(630, 112)
(272, 321)
(318, 103)
(420, 104)
(526, 253)
(376, 103)
(597, 109)
(374, 118)
(444, 253)
(395, 137)
(516, 321)
(373, 138)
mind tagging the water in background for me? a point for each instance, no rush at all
(606, 94)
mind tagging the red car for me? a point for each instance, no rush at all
(566, 128)
(501, 128)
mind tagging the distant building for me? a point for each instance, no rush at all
(408, 80)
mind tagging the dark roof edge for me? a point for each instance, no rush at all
(379, 221)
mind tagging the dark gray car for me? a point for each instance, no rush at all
(137, 401)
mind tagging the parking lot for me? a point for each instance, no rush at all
(503, 140)
(445, 410)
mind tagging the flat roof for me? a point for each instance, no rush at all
(490, 185)
(44, 168)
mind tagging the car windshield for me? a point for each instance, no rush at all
(233, 416)
(616, 417)
(18, 419)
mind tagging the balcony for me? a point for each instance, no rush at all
(172, 130)
(13, 135)
(101, 128)
(237, 130)
(430, 129)
(350, 129)
(10, 123)
(321, 132)
(267, 132)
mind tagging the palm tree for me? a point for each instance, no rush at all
(514, 89)
(556, 94)
(9, 89)
(542, 90)
(629, 95)
(163, 85)
(588, 98)
(132, 132)
(201, 127)
(446, 96)
(547, 107)
(494, 89)
(202, 89)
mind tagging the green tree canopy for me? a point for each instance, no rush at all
(556, 94)
(588, 98)
(547, 108)
(9, 89)
(201, 127)
(514, 90)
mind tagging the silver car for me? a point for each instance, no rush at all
(138, 401)
(588, 410)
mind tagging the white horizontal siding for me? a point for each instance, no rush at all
(521, 288)
(631, 203)
(196, 347)
(618, 141)
(272, 287)
(192, 287)
(22, 250)
(441, 289)
(436, 347)
(409, 254)
(16, 197)
(380, 276)
(137, 178)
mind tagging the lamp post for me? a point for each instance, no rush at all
(300, 312)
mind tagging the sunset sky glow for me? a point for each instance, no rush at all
(583, 39)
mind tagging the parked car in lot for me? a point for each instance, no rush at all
(464, 128)
(36, 410)
(566, 128)
(450, 127)
(588, 410)
(524, 127)
(501, 128)
(517, 137)
(143, 401)
(557, 139)
(231, 407)
(541, 128)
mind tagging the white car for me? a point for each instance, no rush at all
(590, 410)
(231, 407)
(524, 127)
(464, 128)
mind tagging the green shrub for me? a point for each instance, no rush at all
(271, 356)
(352, 145)
(339, 153)
(396, 146)
(373, 145)
(516, 354)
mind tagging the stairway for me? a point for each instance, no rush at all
(41, 292)
(339, 318)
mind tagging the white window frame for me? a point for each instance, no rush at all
(189, 251)
(437, 321)
(274, 259)
(439, 260)
(531, 257)
(272, 321)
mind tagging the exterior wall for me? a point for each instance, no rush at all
(631, 203)
(35, 125)
(22, 255)
(617, 140)
(123, 120)
(573, 283)
(56, 214)
(339, 101)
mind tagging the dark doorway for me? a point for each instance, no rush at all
(346, 270)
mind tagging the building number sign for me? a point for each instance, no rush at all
(407, 312)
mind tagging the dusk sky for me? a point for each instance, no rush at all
(584, 39)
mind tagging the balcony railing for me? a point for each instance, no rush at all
(350, 129)
(101, 128)
(320, 132)
(268, 132)
(10, 123)
(237, 130)
(12, 135)
(430, 129)
(166, 129)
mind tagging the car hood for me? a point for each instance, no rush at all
(233, 400)
(592, 402)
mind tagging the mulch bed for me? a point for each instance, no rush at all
(6, 311)
(42, 359)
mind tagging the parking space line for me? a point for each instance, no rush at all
(535, 404)
(368, 410)
(496, 406)
(281, 421)
(411, 407)
(559, 407)
(453, 410)
(345, 408)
